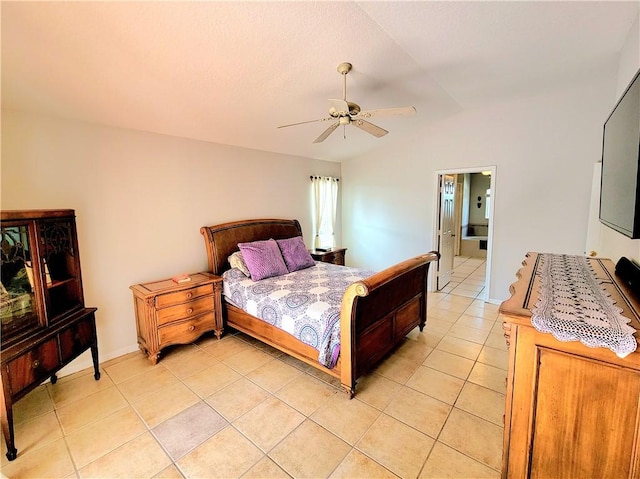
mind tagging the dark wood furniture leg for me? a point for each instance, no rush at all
(94, 356)
(7, 427)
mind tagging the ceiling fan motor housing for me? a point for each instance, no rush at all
(353, 109)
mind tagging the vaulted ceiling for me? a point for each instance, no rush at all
(232, 72)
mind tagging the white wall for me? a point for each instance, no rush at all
(605, 241)
(544, 148)
(140, 200)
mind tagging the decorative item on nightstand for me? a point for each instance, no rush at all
(329, 255)
(45, 324)
(177, 311)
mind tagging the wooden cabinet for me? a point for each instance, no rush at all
(571, 411)
(335, 256)
(177, 313)
(45, 324)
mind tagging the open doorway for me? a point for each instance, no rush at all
(463, 230)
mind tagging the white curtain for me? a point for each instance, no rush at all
(324, 200)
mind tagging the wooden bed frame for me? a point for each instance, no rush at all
(376, 312)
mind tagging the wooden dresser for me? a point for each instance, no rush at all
(571, 411)
(176, 313)
(335, 256)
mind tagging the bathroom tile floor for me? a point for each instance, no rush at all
(237, 408)
(468, 278)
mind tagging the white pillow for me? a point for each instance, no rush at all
(237, 261)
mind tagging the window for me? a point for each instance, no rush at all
(324, 204)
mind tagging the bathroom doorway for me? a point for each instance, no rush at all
(463, 230)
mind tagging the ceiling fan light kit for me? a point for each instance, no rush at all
(344, 112)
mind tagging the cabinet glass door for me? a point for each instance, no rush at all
(61, 267)
(18, 310)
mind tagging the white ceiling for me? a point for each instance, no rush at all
(231, 72)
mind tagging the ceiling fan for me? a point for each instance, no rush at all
(343, 112)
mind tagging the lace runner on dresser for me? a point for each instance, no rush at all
(574, 306)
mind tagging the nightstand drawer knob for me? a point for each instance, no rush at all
(35, 364)
(189, 295)
(190, 310)
(192, 328)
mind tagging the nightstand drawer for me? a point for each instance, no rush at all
(170, 299)
(186, 331)
(185, 310)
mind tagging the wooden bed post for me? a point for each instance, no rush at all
(348, 336)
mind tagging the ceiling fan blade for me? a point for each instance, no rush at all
(303, 122)
(326, 133)
(369, 128)
(401, 111)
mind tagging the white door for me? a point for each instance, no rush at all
(446, 229)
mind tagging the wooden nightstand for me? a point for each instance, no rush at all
(335, 256)
(176, 313)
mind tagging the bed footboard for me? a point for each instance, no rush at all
(378, 312)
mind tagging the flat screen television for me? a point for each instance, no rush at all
(620, 178)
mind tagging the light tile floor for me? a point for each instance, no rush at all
(468, 278)
(237, 408)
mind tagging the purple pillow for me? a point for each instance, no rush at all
(295, 254)
(263, 258)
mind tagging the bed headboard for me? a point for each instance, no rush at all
(222, 240)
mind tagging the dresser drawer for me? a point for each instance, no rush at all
(33, 366)
(186, 331)
(185, 310)
(77, 338)
(178, 297)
